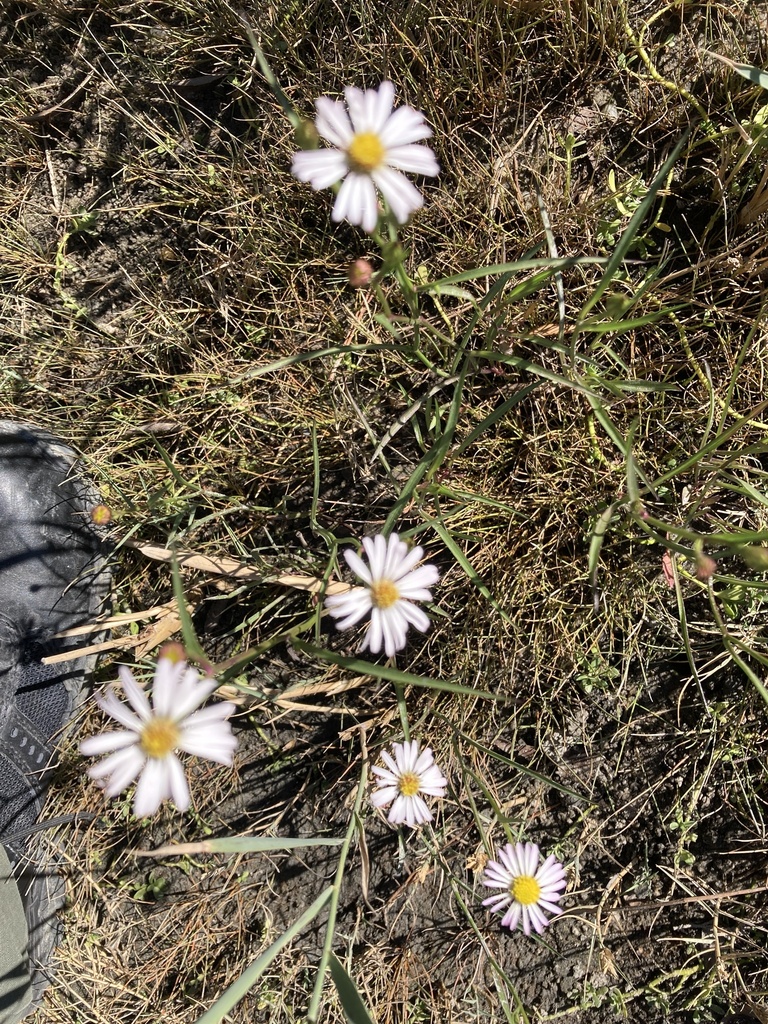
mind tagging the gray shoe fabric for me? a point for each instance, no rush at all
(15, 984)
(53, 577)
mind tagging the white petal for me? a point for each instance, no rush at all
(135, 694)
(357, 203)
(111, 705)
(425, 576)
(402, 196)
(381, 108)
(189, 697)
(357, 109)
(397, 552)
(213, 746)
(392, 638)
(413, 614)
(395, 628)
(393, 764)
(151, 789)
(376, 549)
(357, 565)
(381, 797)
(414, 159)
(410, 756)
(320, 167)
(165, 685)
(373, 638)
(405, 125)
(217, 713)
(332, 122)
(122, 768)
(424, 761)
(177, 782)
(398, 812)
(352, 607)
(103, 743)
(408, 560)
(421, 812)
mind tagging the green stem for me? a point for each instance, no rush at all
(314, 1007)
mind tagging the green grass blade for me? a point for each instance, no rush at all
(191, 643)
(445, 536)
(306, 357)
(512, 268)
(392, 675)
(238, 989)
(622, 247)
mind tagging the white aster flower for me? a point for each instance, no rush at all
(529, 888)
(392, 583)
(372, 144)
(408, 775)
(154, 733)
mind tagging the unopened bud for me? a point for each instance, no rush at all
(173, 652)
(705, 566)
(306, 135)
(101, 515)
(756, 556)
(360, 273)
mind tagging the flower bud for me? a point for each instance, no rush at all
(101, 515)
(306, 135)
(173, 652)
(360, 273)
(705, 566)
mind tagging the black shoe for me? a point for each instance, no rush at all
(52, 578)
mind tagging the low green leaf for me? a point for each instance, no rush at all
(349, 997)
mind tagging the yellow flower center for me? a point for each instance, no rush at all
(365, 152)
(384, 594)
(525, 890)
(159, 737)
(409, 784)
